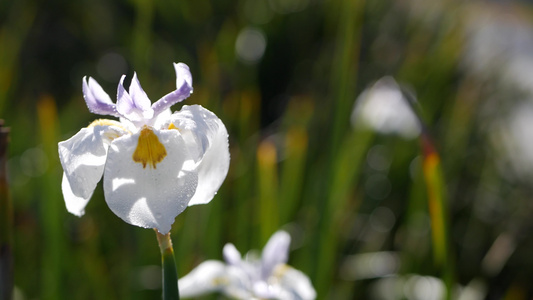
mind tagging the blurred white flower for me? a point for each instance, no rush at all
(383, 108)
(250, 45)
(267, 277)
(513, 138)
(499, 44)
(155, 163)
(420, 287)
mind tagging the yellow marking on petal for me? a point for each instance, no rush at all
(172, 126)
(106, 122)
(149, 149)
(110, 135)
(280, 270)
(220, 281)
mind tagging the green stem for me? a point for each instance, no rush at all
(170, 274)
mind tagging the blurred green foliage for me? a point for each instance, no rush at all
(283, 75)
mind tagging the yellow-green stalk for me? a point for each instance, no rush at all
(170, 274)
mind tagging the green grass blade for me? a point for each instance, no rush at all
(292, 172)
(52, 210)
(268, 189)
(437, 204)
(347, 168)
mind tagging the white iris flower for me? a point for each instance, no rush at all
(154, 163)
(268, 277)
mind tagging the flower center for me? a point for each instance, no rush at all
(149, 149)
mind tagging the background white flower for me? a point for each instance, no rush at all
(267, 277)
(383, 108)
(155, 163)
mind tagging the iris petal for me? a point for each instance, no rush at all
(98, 101)
(135, 105)
(83, 157)
(207, 140)
(140, 99)
(207, 277)
(232, 256)
(149, 197)
(124, 102)
(275, 252)
(183, 89)
(75, 204)
(295, 283)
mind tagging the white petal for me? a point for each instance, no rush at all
(207, 277)
(211, 276)
(206, 136)
(239, 283)
(75, 204)
(263, 290)
(146, 196)
(275, 252)
(294, 283)
(161, 119)
(128, 125)
(83, 157)
(232, 256)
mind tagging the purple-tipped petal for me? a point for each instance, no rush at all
(140, 99)
(183, 75)
(98, 101)
(124, 102)
(131, 106)
(183, 89)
